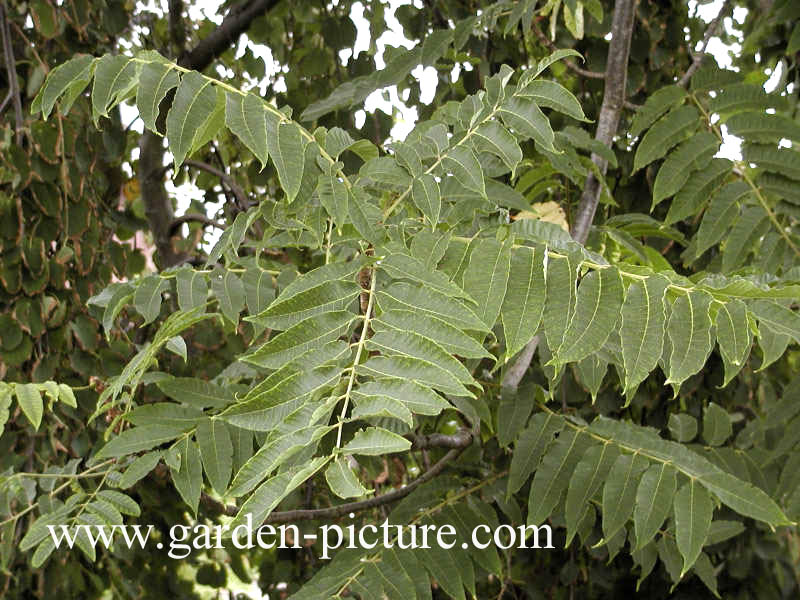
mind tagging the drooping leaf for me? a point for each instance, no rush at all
(486, 277)
(597, 309)
(653, 501)
(194, 103)
(619, 492)
(524, 299)
(216, 451)
(642, 329)
(589, 474)
(551, 478)
(342, 481)
(693, 511)
(689, 330)
(188, 479)
(245, 117)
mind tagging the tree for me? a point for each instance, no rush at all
(553, 303)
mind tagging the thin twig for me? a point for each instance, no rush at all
(241, 197)
(697, 58)
(194, 218)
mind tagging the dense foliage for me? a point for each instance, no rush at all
(553, 302)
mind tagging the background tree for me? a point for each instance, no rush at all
(164, 409)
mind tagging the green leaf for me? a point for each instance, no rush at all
(66, 395)
(487, 275)
(528, 121)
(192, 289)
(682, 427)
(30, 401)
(280, 446)
(363, 214)
(552, 476)
(382, 406)
(513, 411)
(343, 481)
(427, 198)
(720, 216)
(734, 336)
(693, 511)
(157, 78)
(147, 298)
(194, 103)
(657, 103)
(441, 565)
(137, 439)
(189, 479)
(619, 492)
(329, 296)
(783, 161)
(589, 474)
(759, 126)
(403, 266)
(689, 330)
(182, 418)
(216, 451)
(597, 309)
(333, 195)
(559, 306)
(447, 336)
(245, 117)
(553, 95)
(287, 148)
(309, 333)
(554, 57)
(122, 502)
(195, 392)
(264, 410)
(421, 371)
(276, 488)
(780, 319)
(444, 307)
(138, 469)
(694, 195)
(492, 137)
(374, 441)
(642, 329)
(693, 154)
(668, 131)
(68, 79)
(229, 291)
(743, 497)
(418, 399)
(114, 77)
(523, 303)
(653, 501)
(717, 426)
(464, 165)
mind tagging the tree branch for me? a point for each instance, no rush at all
(236, 22)
(158, 206)
(241, 198)
(459, 442)
(613, 101)
(193, 218)
(697, 58)
(11, 70)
